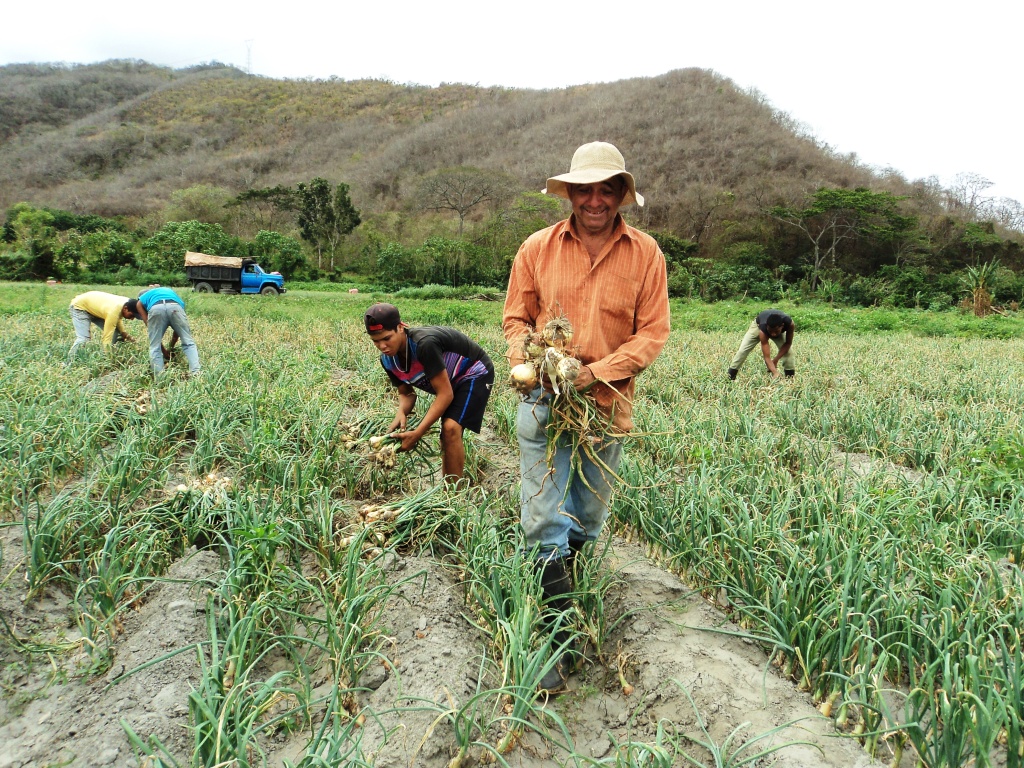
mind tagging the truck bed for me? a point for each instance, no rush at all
(230, 274)
(195, 259)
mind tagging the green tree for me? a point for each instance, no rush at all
(165, 250)
(69, 256)
(117, 253)
(278, 252)
(399, 267)
(325, 218)
(980, 239)
(979, 281)
(34, 234)
(270, 208)
(455, 262)
(833, 219)
(675, 249)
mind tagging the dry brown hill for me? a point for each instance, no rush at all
(119, 137)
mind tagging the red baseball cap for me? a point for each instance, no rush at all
(382, 317)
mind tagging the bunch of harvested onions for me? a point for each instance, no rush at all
(574, 417)
(549, 357)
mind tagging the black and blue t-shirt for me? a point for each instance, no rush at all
(434, 348)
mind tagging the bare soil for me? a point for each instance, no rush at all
(53, 713)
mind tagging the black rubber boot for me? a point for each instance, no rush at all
(556, 582)
(790, 374)
(733, 372)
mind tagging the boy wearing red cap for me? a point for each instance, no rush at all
(443, 362)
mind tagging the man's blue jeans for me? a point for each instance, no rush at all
(170, 314)
(568, 499)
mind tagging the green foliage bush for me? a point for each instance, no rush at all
(64, 221)
(165, 250)
(438, 261)
(118, 252)
(277, 252)
(905, 286)
(433, 291)
(17, 265)
(676, 249)
(399, 267)
(711, 280)
(457, 262)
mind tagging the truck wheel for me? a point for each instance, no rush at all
(202, 288)
(268, 290)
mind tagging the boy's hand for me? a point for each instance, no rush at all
(409, 440)
(398, 425)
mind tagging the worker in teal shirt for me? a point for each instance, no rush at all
(159, 308)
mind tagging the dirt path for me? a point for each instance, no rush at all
(49, 715)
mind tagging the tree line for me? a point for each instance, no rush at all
(853, 245)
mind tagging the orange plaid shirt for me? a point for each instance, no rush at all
(618, 306)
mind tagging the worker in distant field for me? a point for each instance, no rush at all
(769, 327)
(442, 361)
(104, 310)
(609, 280)
(159, 308)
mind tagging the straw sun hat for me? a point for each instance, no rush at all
(591, 163)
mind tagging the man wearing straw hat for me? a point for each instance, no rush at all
(609, 280)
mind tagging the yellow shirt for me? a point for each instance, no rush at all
(106, 307)
(618, 306)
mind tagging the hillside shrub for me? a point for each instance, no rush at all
(64, 221)
(675, 249)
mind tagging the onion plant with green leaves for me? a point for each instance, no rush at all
(863, 581)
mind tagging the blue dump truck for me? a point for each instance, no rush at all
(230, 274)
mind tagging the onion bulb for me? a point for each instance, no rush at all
(523, 378)
(535, 345)
(569, 368)
(552, 359)
(550, 368)
(558, 332)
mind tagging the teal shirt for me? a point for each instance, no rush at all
(153, 295)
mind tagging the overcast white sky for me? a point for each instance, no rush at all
(928, 88)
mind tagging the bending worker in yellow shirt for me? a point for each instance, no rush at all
(104, 310)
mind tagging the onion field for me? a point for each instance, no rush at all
(862, 524)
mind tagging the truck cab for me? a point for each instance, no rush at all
(255, 280)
